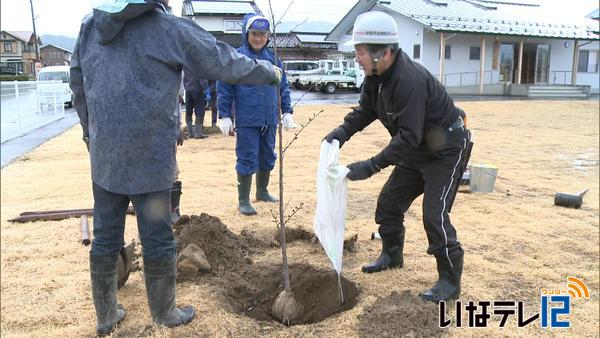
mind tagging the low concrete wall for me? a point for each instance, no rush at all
(491, 89)
(518, 89)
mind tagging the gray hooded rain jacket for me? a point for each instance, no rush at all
(125, 76)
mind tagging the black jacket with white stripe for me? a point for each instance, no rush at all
(412, 105)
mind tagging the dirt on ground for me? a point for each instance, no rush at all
(516, 240)
(400, 314)
(250, 289)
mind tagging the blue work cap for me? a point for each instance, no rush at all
(258, 23)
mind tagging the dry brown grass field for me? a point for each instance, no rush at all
(515, 240)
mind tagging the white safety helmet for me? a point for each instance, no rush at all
(374, 27)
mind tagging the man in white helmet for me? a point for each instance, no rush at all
(427, 148)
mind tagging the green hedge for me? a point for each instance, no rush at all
(14, 78)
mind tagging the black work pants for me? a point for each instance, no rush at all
(213, 106)
(436, 176)
(195, 103)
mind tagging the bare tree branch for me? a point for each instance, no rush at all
(282, 15)
(298, 25)
(296, 209)
(301, 129)
(275, 219)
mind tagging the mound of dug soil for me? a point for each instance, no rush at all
(270, 237)
(251, 289)
(316, 290)
(225, 251)
(400, 314)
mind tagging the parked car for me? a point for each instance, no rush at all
(301, 67)
(295, 68)
(54, 81)
(338, 74)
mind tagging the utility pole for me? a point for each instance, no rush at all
(36, 39)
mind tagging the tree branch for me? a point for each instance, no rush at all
(289, 144)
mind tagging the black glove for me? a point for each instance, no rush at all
(362, 170)
(337, 134)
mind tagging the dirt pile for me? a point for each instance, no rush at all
(315, 289)
(224, 250)
(251, 289)
(400, 314)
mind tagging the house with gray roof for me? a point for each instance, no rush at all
(53, 55)
(223, 19)
(17, 53)
(514, 47)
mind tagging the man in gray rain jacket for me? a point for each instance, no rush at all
(125, 76)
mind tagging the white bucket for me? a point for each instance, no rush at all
(483, 177)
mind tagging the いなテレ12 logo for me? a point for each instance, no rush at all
(556, 303)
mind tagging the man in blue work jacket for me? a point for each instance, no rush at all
(256, 116)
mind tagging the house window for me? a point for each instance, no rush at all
(416, 51)
(233, 25)
(588, 61)
(474, 53)
(8, 47)
(447, 51)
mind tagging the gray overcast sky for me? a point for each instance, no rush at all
(63, 17)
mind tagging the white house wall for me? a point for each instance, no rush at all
(411, 33)
(590, 79)
(342, 47)
(458, 70)
(211, 23)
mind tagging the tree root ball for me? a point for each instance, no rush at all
(286, 308)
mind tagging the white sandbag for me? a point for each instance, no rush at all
(332, 197)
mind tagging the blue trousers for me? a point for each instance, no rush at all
(153, 212)
(255, 149)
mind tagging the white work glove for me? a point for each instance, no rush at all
(226, 126)
(288, 121)
(278, 74)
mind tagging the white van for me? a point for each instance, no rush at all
(54, 81)
(296, 67)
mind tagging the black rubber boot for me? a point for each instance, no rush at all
(199, 132)
(175, 198)
(262, 182)
(159, 276)
(190, 128)
(103, 270)
(448, 285)
(391, 253)
(244, 185)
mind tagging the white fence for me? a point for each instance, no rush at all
(27, 105)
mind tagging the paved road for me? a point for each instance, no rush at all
(301, 97)
(350, 97)
(13, 149)
(19, 117)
